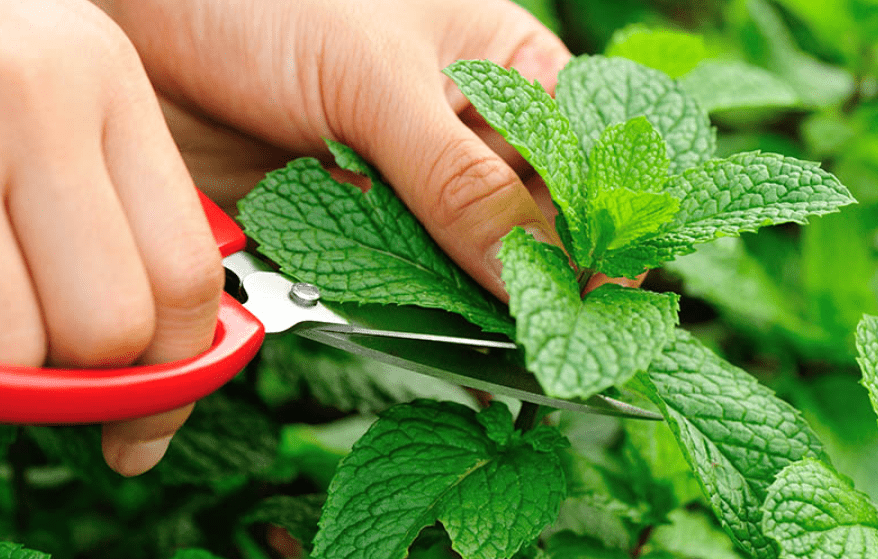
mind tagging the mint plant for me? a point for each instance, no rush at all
(627, 155)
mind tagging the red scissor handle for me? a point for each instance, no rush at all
(31, 395)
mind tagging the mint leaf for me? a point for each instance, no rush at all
(567, 545)
(576, 347)
(720, 85)
(628, 169)
(747, 191)
(596, 92)
(529, 119)
(223, 438)
(814, 513)
(9, 550)
(867, 348)
(363, 248)
(298, 515)
(430, 461)
(672, 52)
(735, 433)
(629, 155)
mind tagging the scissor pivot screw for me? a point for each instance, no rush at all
(305, 294)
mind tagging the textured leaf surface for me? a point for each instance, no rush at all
(814, 513)
(723, 85)
(628, 170)
(364, 248)
(223, 438)
(747, 191)
(430, 461)
(734, 432)
(9, 550)
(529, 119)
(298, 515)
(576, 347)
(867, 348)
(673, 52)
(596, 92)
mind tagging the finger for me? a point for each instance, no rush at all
(538, 55)
(598, 280)
(467, 197)
(179, 253)
(23, 339)
(86, 270)
(133, 447)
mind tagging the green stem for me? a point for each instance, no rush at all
(582, 277)
(527, 416)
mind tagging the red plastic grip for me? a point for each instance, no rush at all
(54, 396)
(33, 395)
(229, 237)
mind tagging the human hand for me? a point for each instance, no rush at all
(107, 255)
(367, 74)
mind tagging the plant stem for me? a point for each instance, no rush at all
(18, 462)
(582, 277)
(527, 416)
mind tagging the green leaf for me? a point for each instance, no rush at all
(298, 515)
(672, 52)
(814, 513)
(629, 155)
(628, 170)
(816, 82)
(363, 248)
(724, 274)
(735, 433)
(567, 545)
(223, 438)
(9, 550)
(693, 534)
(867, 348)
(720, 85)
(430, 461)
(747, 191)
(596, 92)
(838, 246)
(576, 347)
(529, 119)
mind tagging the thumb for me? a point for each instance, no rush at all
(465, 194)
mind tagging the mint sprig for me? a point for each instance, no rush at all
(493, 488)
(578, 347)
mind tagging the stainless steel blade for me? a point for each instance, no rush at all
(494, 371)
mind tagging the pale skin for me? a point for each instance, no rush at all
(110, 117)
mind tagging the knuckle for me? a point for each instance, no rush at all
(193, 279)
(460, 181)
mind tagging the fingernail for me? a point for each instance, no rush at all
(136, 458)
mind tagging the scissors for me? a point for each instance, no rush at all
(452, 350)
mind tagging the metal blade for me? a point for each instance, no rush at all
(494, 371)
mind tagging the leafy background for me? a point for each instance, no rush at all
(783, 304)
